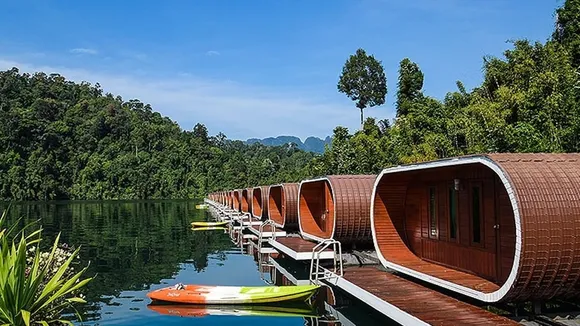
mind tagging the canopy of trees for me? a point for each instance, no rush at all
(64, 140)
(529, 101)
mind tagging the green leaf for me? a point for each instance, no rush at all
(76, 299)
(25, 317)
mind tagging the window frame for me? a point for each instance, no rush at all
(481, 243)
(432, 223)
(450, 190)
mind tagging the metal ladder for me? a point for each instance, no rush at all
(317, 273)
(261, 235)
(261, 240)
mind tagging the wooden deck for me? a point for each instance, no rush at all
(408, 260)
(410, 303)
(268, 231)
(298, 248)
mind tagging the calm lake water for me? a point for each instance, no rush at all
(137, 246)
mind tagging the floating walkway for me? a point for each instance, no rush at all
(409, 303)
(298, 248)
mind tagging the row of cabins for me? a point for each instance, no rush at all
(495, 227)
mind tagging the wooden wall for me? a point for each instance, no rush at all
(275, 204)
(257, 202)
(316, 202)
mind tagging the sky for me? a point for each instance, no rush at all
(261, 68)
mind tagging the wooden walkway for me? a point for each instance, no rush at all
(410, 303)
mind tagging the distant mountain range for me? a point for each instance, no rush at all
(311, 144)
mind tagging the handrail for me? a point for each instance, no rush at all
(261, 237)
(315, 276)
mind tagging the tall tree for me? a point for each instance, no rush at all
(568, 29)
(363, 80)
(409, 85)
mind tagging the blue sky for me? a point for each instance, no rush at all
(258, 68)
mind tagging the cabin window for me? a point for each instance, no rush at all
(432, 212)
(476, 214)
(452, 213)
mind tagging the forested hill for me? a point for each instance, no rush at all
(65, 140)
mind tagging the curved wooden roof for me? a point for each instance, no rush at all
(544, 192)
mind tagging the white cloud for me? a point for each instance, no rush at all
(212, 53)
(83, 51)
(239, 111)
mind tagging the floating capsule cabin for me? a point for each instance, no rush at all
(246, 203)
(283, 205)
(336, 207)
(228, 198)
(260, 202)
(236, 199)
(496, 227)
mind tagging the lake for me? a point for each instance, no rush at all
(137, 246)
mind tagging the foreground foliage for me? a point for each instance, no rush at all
(35, 287)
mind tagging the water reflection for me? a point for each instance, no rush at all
(137, 246)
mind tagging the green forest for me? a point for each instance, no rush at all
(66, 140)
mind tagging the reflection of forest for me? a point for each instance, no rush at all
(129, 244)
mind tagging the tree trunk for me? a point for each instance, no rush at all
(361, 119)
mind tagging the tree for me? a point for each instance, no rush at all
(568, 28)
(409, 85)
(200, 131)
(363, 80)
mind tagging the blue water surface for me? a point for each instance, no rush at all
(133, 247)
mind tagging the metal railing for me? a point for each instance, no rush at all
(317, 273)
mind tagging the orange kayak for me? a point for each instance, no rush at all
(207, 294)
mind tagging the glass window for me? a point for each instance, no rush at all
(452, 213)
(432, 212)
(476, 213)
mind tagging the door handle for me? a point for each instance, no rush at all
(496, 226)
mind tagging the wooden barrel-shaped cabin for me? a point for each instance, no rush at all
(283, 205)
(260, 202)
(496, 227)
(246, 204)
(336, 207)
(228, 198)
(236, 199)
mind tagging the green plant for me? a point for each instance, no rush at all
(37, 290)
